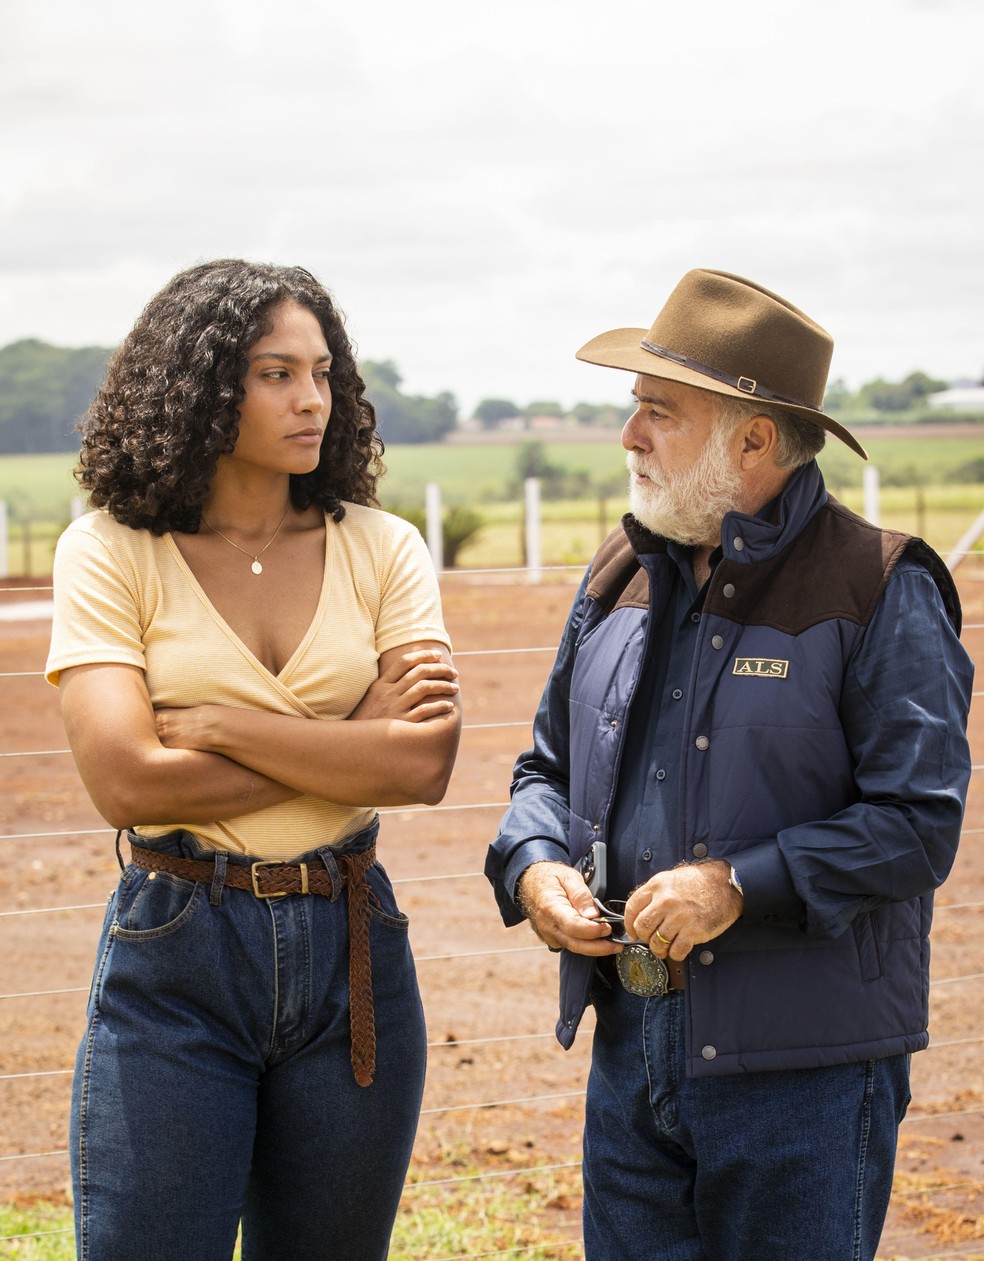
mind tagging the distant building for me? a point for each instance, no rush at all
(959, 398)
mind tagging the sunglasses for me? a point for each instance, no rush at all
(613, 913)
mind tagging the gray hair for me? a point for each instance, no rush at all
(799, 439)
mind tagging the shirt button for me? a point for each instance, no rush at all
(595, 827)
(614, 723)
(728, 590)
(706, 957)
(677, 694)
(647, 855)
(661, 774)
(717, 641)
(709, 1052)
(695, 617)
(702, 743)
(699, 850)
(739, 545)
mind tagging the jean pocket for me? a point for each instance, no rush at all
(382, 900)
(155, 904)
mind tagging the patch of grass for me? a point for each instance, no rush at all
(448, 1210)
(46, 1230)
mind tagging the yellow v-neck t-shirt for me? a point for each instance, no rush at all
(127, 596)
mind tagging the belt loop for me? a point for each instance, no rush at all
(218, 880)
(328, 858)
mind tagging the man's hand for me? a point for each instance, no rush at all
(559, 905)
(676, 909)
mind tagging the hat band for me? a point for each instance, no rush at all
(747, 385)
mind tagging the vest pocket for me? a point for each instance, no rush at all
(869, 952)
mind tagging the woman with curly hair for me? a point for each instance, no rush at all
(251, 658)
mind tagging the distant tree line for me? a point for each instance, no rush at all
(45, 388)
(874, 401)
(492, 413)
(884, 396)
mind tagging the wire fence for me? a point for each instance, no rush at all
(554, 1085)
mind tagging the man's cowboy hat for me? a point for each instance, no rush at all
(725, 334)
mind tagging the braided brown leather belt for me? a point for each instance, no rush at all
(278, 880)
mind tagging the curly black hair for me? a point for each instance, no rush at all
(169, 406)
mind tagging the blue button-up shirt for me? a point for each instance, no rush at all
(644, 816)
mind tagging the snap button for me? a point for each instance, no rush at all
(706, 957)
(717, 641)
(702, 743)
(595, 827)
(739, 545)
(728, 590)
(151, 875)
(613, 724)
(699, 850)
(709, 1052)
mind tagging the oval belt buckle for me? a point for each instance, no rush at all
(641, 972)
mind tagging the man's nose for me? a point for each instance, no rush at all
(635, 435)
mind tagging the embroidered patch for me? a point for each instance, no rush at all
(760, 668)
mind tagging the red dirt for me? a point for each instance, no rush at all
(939, 1200)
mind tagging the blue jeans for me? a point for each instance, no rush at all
(771, 1166)
(214, 1082)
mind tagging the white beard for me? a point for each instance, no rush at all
(688, 507)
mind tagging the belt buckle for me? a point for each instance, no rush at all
(641, 972)
(257, 891)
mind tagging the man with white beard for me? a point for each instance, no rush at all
(747, 779)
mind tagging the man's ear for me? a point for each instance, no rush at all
(759, 437)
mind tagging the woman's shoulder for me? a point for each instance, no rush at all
(376, 524)
(99, 524)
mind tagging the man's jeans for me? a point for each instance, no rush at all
(214, 1081)
(765, 1166)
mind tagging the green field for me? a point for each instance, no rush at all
(917, 494)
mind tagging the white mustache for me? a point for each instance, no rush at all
(639, 467)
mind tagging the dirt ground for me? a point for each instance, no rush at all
(489, 993)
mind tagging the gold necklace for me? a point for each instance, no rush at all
(256, 567)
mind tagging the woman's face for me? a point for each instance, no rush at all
(285, 412)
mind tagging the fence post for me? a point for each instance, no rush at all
(435, 535)
(4, 560)
(964, 544)
(531, 489)
(870, 483)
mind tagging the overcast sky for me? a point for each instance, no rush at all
(484, 186)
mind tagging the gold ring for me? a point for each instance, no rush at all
(662, 938)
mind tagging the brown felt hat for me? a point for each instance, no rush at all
(725, 334)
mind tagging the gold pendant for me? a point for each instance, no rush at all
(256, 567)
